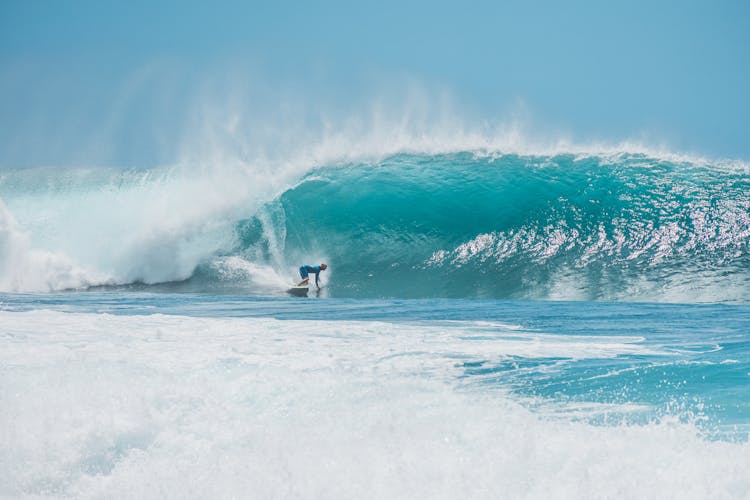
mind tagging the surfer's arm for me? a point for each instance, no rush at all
(317, 275)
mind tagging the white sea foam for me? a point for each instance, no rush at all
(175, 407)
(25, 268)
(121, 227)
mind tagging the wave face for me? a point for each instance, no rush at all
(570, 227)
(508, 226)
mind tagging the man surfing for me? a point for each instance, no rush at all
(305, 270)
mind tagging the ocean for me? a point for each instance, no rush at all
(491, 325)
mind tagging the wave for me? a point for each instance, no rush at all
(509, 226)
(598, 226)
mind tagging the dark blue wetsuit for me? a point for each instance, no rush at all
(304, 270)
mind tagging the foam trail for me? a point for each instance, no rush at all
(257, 276)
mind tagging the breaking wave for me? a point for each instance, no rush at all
(609, 226)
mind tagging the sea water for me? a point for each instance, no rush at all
(491, 325)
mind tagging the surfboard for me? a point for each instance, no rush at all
(299, 291)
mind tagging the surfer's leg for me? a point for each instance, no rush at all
(303, 275)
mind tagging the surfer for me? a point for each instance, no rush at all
(305, 270)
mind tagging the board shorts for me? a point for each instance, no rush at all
(303, 272)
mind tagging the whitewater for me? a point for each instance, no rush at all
(494, 323)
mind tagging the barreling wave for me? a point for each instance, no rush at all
(563, 227)
(626, 226)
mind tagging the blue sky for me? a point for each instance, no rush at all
(115, 82)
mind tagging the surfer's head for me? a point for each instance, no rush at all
(323, 266)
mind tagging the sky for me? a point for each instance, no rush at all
(130, 83)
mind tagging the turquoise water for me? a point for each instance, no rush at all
(617, 227)
(691, 361)
(587, 228)
(490, 325)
